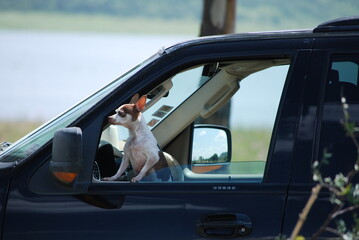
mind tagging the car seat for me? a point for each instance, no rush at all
(175, 168)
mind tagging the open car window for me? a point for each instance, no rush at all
(213, 153)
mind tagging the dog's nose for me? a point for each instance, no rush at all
(110, 119)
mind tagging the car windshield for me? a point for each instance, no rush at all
(27, 145)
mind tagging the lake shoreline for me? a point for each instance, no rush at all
(96, 23)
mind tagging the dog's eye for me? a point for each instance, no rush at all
(121, 114)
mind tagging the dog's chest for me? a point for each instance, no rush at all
(140, 151)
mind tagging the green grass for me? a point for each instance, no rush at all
(12, 131)
(250, 144)
(247, 144)
(94, 23)
(263, 19)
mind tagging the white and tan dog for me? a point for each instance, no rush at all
(141, 148)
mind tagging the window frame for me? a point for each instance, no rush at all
(289, 57)
(330, 56)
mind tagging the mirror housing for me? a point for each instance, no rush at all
(65, 173)
(65, 165)
(211, 148)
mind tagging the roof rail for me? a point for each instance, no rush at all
(339, 24)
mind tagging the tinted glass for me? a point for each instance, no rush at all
(336, 148)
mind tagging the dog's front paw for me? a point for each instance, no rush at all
(136, 179)
(109, 179)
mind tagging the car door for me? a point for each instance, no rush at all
(230, 197)
(227, 188)
(321, 136)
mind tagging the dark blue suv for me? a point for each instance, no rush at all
(249, 179)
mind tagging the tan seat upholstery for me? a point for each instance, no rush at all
(175, 168)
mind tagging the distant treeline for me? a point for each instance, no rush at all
(164, 9)
(274, 10)
(222, 158)
(166, 16)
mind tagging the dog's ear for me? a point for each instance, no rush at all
(141, 103)
(135, 98)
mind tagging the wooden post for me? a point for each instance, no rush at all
(218, 17)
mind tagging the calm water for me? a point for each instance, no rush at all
(44, 73)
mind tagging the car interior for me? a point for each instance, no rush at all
(172, 124)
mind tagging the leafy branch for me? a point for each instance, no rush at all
(344, 196)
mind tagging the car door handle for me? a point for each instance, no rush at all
(228, 225)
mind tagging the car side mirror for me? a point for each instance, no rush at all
(211, 148)
(67, 157)
(66, 172)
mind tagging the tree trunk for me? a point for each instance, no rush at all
(218, 17)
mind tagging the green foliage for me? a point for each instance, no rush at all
(164, 9)
(273, 11)
(93, 23)
(163, 16)
(250, 144)
(344, 194)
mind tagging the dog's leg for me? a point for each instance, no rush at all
(150, 162)
(124, 164)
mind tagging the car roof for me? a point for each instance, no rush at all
(333, 28)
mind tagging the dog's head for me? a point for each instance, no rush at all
(129, 113)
